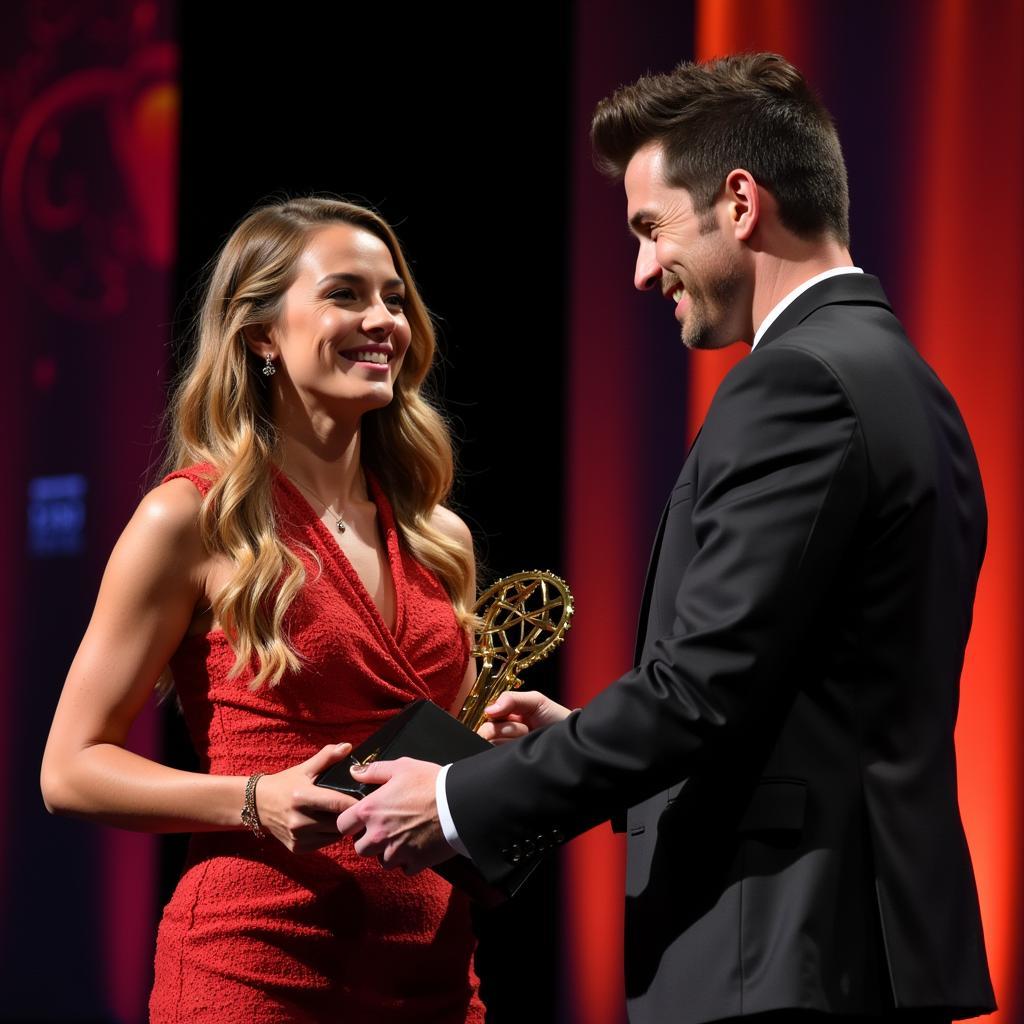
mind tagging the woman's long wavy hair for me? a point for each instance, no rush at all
(220, 414)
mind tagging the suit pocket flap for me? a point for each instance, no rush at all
(776, 805)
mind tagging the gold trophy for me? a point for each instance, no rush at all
(524, 617)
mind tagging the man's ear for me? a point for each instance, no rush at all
(744, 202)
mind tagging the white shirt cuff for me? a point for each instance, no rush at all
(445, 816)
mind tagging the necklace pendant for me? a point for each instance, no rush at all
(340, 525)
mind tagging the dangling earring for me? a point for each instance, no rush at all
(270, 369)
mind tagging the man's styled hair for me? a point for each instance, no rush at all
(750, 110)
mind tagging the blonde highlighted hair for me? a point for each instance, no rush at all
(220, 414)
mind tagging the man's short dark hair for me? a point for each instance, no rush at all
(750, 110)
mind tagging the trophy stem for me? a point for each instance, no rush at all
(472, 713)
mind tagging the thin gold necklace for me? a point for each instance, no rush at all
(339, 519)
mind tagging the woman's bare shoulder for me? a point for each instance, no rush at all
(445, 521)
(165, 526)
(172, 506)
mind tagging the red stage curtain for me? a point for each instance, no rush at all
(962, 209)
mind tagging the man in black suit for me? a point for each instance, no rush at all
(784, 744)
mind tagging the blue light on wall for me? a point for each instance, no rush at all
(56, 515)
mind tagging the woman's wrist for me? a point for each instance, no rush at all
(250, 815)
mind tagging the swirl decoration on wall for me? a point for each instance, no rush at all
(89, 175)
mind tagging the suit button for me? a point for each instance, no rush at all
(529, 848)
(516, 858)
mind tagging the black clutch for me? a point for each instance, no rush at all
(427, 733)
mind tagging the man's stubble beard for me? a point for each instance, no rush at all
(706, 325)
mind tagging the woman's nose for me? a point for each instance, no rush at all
(380, 317)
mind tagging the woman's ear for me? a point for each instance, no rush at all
(258, 340)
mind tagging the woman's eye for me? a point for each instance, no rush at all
(398, 301)
(342, 293)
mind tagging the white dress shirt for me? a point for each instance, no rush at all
(445, 816)
(799, 290)
(443, 813)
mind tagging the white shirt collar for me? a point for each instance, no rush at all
(779, 307)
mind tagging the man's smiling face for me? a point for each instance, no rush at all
(688, 256)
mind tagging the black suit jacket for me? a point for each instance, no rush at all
(785, 741)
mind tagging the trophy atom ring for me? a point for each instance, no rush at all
(524, 616)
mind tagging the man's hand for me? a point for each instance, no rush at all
(398, 823)
(517, 712)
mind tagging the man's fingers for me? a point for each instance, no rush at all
(367, 847)
(515, 702)
(325, 757)
(349, 821)
(531, 707)
(502, 731)
(376, 773)
(512, 729)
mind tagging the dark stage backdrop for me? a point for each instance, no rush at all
(569, 390)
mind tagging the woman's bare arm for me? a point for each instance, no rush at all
(448, 523)
(152, 583)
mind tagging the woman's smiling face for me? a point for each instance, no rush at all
(342, 332)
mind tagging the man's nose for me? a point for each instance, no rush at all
(648, 269)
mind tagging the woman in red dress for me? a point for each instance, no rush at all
(297, 581)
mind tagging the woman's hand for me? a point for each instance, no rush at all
(515, 713)
(300, 815)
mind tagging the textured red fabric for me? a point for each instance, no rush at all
(256, 933)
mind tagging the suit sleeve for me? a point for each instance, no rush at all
(781, 485)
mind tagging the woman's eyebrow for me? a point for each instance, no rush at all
(391, 282)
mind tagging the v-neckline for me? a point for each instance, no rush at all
(392, 553)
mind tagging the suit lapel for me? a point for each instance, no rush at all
(652, 565)
(645, 604)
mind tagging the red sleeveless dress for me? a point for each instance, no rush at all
(254, 933)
